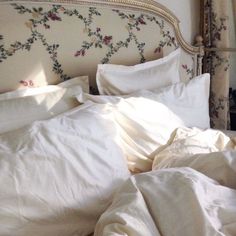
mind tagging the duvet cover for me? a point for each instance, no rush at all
(190, 191)
(71, 175)
(58, 176)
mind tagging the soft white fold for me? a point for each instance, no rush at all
(58, 176)
(191, 190)
(174, 201)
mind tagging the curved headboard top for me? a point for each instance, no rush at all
(48, 41)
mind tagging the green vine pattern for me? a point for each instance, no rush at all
(218, 26)
(189, 71)
(133, 23)
(214, 60)
(39, 16)
(216, 104)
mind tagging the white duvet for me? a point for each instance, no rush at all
(190, 191)
(64, 176)
(58, 176)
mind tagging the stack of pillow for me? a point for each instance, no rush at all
(150, 103)
(149, 100)
(67, 169)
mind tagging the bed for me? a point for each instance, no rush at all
(104, 124)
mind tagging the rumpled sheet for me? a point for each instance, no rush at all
(190, 191)
(58, 176)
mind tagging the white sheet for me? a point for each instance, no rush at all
(148, 118)
(191, 191)
(58, 176)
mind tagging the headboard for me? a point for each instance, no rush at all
(49, 41)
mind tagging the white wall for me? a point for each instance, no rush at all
(188, 12)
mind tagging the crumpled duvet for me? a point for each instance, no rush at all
(58, 176)
(190, 191)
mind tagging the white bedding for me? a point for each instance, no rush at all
(191, 191)
(58, 176)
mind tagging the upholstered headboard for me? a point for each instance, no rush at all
(45, 42)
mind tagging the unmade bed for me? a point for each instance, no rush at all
(104, 124)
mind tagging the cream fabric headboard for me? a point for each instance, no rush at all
(46, 42)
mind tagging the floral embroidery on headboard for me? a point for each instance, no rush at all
(133, 23)
(41, 21)
(39, 17)
(27, 83)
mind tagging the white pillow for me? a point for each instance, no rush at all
(120, 80)
(147, 119)
(187, 100)
(83, 81)
(17, 112)
(58, 176)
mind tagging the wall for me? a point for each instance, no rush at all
(188, 12)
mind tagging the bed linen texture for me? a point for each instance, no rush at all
(18, 112)
(187, 100)
(23, 106)
(57, 176)
(147, 118)
(190, 191)
(120, 80)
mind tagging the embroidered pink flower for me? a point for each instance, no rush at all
(141, 21)
(80, 53)
(157, 50)
(77, 54)
(26, 83)
(107, 40)
(53, 16)
(185, 67)
(31, 83)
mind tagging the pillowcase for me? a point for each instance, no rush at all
(120, 80)
(147, 119)
(83, 81)
(58, 176)
(17, 112)
(187, 100)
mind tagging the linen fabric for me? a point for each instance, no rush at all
(187, 100)
(119, 80)
(18, 112)
(148, 119)
(208, 151)
(173, 201)
(191, 190)
(58, 176)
